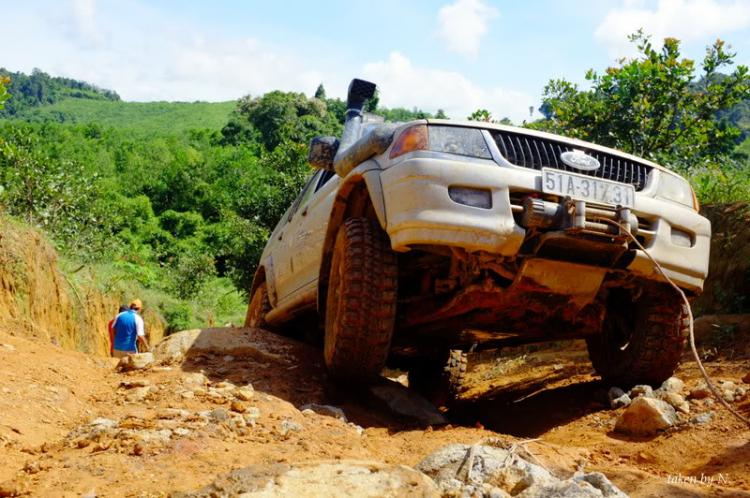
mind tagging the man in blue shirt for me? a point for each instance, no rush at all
(129, 331)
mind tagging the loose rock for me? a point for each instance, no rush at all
(9, 347)
(288, 426)
(196, 378)
(172, 413)
(499, 471)
(138, 394)
(700, 391)
(137, 361)
(218, 415)
(238, 407)
(641, 390)
(703, 418)
(252, 412)
(677, 401)
(617, 398)
(407, 403)
(244, 394)
(746, 378)
(672, 385)
(328, 410)
(645, 417)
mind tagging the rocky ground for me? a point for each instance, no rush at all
(220, 412)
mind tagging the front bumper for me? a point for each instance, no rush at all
(420, 211)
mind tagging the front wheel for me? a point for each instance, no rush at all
(361, 304)
(641, 342)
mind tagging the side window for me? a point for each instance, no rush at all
(325, 176)
(304, 195)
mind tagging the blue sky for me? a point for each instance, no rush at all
(458, 55)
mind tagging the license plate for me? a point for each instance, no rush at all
(587, 188)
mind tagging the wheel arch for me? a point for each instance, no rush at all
(360, 195)
(264, 273)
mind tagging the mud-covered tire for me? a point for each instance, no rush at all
(440, 381)
(642, 342)
(258, 308)
(361, 302)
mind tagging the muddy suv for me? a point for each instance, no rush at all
(416, 242)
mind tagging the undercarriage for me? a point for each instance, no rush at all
(555, 288)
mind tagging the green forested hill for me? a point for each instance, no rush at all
(150, 117)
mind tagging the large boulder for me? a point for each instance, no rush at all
(338, 478)
(645, 417)
(499, 472)
(219, 341)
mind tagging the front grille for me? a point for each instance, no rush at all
(535, 153)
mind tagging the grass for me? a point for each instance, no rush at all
(143, 117)
(219, 303)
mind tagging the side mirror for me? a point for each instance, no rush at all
(322, 151)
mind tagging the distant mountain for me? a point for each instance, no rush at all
(41, 98)
(146, 117)
(40, 89)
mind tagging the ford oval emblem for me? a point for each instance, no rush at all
(580, 160)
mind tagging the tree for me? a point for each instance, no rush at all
(371, 104)
(652, 106)
(320, 93)
(481, 115)
(440, 114)
(278, 116)
(4, 95)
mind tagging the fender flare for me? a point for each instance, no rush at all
(365, 177)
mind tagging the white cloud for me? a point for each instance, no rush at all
(84, 12)
(463, 24)
(145, 56)
(688, 20)
(403, 84)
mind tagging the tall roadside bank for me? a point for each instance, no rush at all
(38, 300)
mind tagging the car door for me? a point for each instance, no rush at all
(285, 274)
(309, 234)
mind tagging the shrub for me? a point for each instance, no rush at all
(178, 317)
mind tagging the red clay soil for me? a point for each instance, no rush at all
(46, 392)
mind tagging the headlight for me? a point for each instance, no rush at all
(676, 189)
(448, 139)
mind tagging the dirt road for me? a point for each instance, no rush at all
(177, 428)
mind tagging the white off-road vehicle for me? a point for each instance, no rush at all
(418, 241)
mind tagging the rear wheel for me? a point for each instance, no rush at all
(641, 342)
(361, 303)
(440, 381)
(258, 308)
